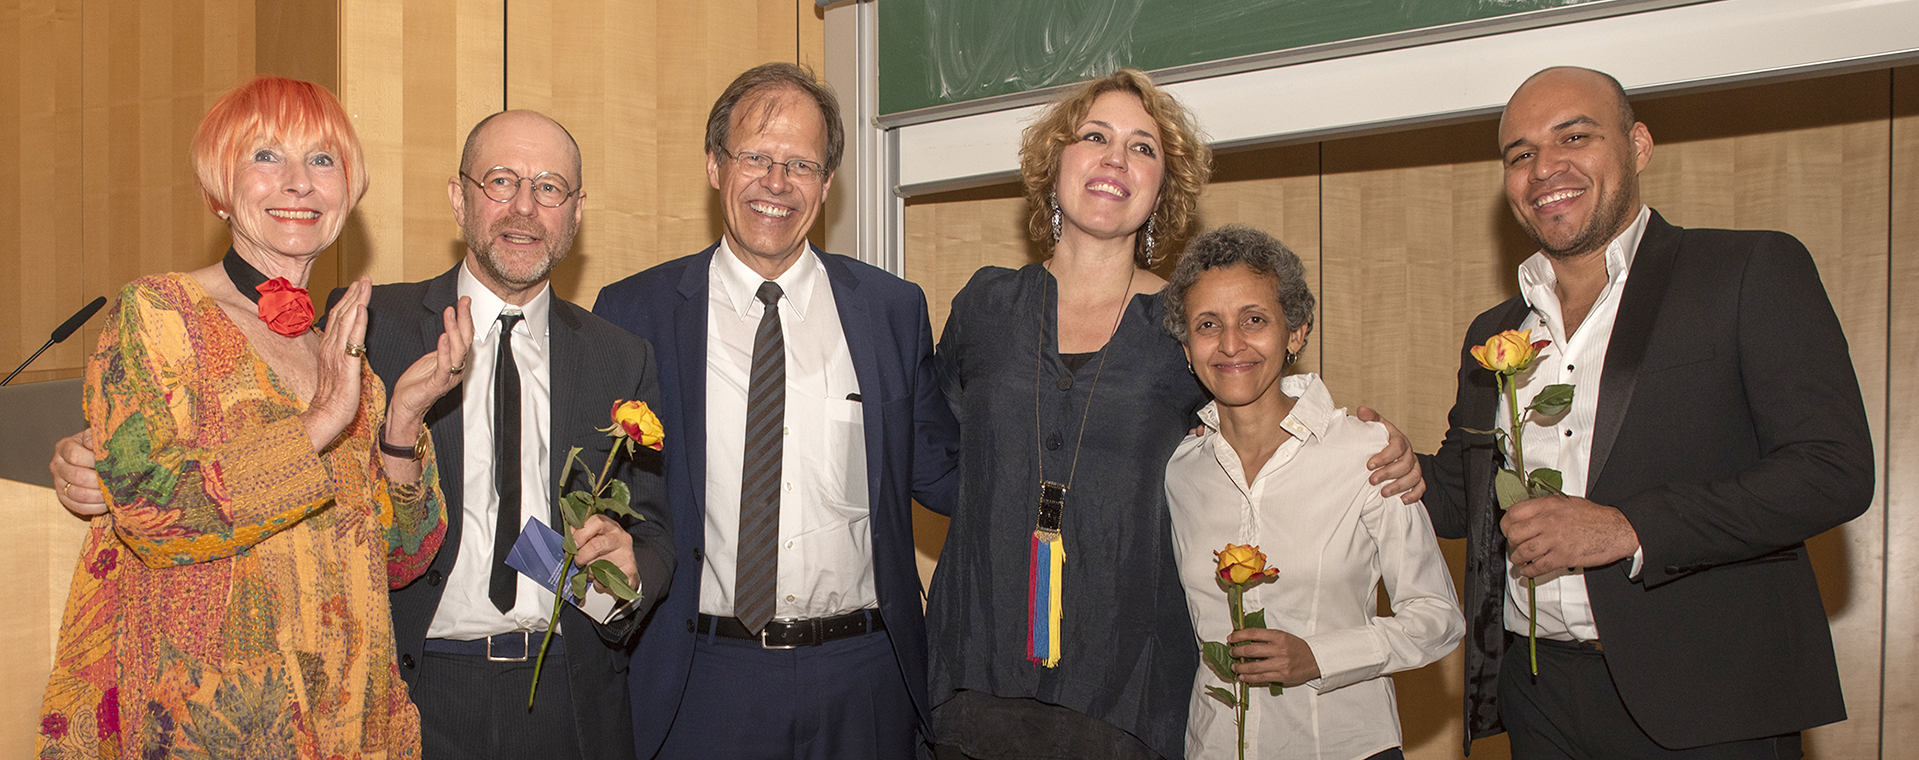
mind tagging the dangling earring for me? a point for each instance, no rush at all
(1054, 200)
(1149, 240)
(1291, 358)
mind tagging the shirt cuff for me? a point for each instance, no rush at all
(1638, 559)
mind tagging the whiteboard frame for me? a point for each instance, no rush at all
(1690, 47)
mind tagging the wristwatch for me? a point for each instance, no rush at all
(415, 452)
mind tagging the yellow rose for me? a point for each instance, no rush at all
(640, 424)
(1510, 352)
(1239, 564)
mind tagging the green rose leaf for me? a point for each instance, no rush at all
(576, 587)
(610, 576)
(1510, 488)
(618, 500)
(575, 508)
(1552, 400)
(1222, 695)
(1548, 479)
(567, 544)
(1256, 619)
(1219, 658)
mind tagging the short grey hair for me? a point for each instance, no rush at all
(1238, 245)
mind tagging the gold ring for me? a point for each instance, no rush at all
(355, 349)
(456, 370)
(67, 490)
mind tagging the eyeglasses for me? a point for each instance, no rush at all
(756, 165)
(503, 185)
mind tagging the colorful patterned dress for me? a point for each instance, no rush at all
(233, 603)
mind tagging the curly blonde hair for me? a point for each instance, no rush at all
(1187, 158)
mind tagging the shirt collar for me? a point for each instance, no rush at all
(1536, 277)
(1312, 414)
(742, 285)
(487, 305)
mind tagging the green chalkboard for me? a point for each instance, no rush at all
(936, 52)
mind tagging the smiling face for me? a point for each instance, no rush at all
(512, 247)
(1236, 335)
(1572, 164)
(767, 217)
(1109, 181)
(288, 201)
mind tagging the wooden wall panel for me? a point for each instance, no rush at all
(415, 75)
(1901, 491)
(633, 82)
(41, 276)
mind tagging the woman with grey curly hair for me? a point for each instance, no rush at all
(1277, 466)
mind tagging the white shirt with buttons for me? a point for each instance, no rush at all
(1564, 443)
(826, 535)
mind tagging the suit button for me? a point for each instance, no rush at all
(407, 660)
(689, 625)
(699, 556)
(433, 577)
(1054, 441)
(1065, 382)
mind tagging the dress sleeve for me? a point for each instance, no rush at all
(189, 477)
(414, 520)
(1426, 623)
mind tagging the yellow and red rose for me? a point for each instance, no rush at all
(1241, 563)
(638, 422)
(1509, 352)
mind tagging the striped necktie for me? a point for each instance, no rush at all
(756, 572)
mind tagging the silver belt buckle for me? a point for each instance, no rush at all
(523, 648)
(769, 626)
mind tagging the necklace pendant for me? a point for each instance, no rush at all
(1052, 506)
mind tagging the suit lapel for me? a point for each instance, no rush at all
(567, 396)
(858, 325)
(1626, 349)
(444, 418)
(689, 354)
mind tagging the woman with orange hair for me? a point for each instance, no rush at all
(262, 494)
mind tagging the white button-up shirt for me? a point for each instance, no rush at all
(825, 542)
(1565, 443)
(1334, 540)
(465, 612)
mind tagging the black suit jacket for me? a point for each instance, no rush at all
(592, 365)
(1730, 429)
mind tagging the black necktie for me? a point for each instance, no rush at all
(756, 572)
(506, 465)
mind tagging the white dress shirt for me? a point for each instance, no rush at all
(465, 612)
(1334, 539)
(1564, 443)
(826, 536)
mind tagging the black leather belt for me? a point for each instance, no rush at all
(1590, 647)
(792, 634)
(518, 646)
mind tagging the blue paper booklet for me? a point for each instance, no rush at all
(538, 553)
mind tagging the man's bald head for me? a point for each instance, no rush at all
(1578, 76)
(518, 117)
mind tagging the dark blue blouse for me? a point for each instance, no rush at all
(1129, 653)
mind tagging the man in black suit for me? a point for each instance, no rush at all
(1716, 425)
(468, 630)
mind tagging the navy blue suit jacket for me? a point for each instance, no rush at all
(911, 453)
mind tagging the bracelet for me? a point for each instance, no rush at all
(406, 493)
(416, 452)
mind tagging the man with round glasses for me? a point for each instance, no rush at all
(794, 629)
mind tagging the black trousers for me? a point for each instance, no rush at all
(1571, 710)
(471, 707)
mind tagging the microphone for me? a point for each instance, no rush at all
(61, 333)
